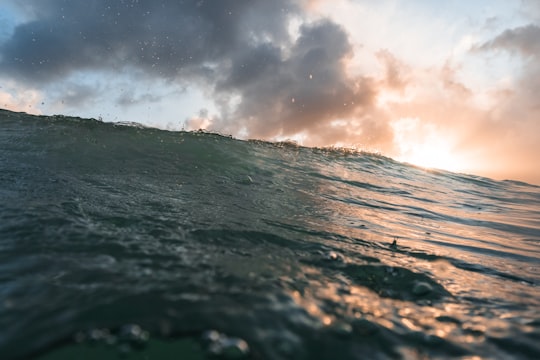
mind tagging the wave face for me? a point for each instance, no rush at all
(297, 253)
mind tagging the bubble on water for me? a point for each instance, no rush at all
(220, 345)
(126, 339)
(210, 337)
(247, 180)
(133, 334)
(131, 331)
(334, 256)
(341, 328)
(98, 334)
(422, 288)
(234, 348)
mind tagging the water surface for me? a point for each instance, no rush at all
(120, 239)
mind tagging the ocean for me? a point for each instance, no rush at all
(124, 242)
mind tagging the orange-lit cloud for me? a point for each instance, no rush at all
(441, 116)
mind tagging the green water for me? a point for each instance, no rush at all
(286, 249)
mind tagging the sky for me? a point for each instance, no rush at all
(445, 84)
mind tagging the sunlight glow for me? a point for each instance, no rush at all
(424, 145)
(431, 154)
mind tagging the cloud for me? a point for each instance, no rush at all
(433, 111)
(508, 130)
(200, 122)
(522, 40)
(18, 98)
(306, 90)
(74, 94)
(531, 9)
(168, 39)
(396, 76)
(128, 97)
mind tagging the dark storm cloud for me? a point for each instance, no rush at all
(303, 90)
(168, 38)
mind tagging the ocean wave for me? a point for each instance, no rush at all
(144, 241)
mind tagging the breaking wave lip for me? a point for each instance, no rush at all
(125, 238)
